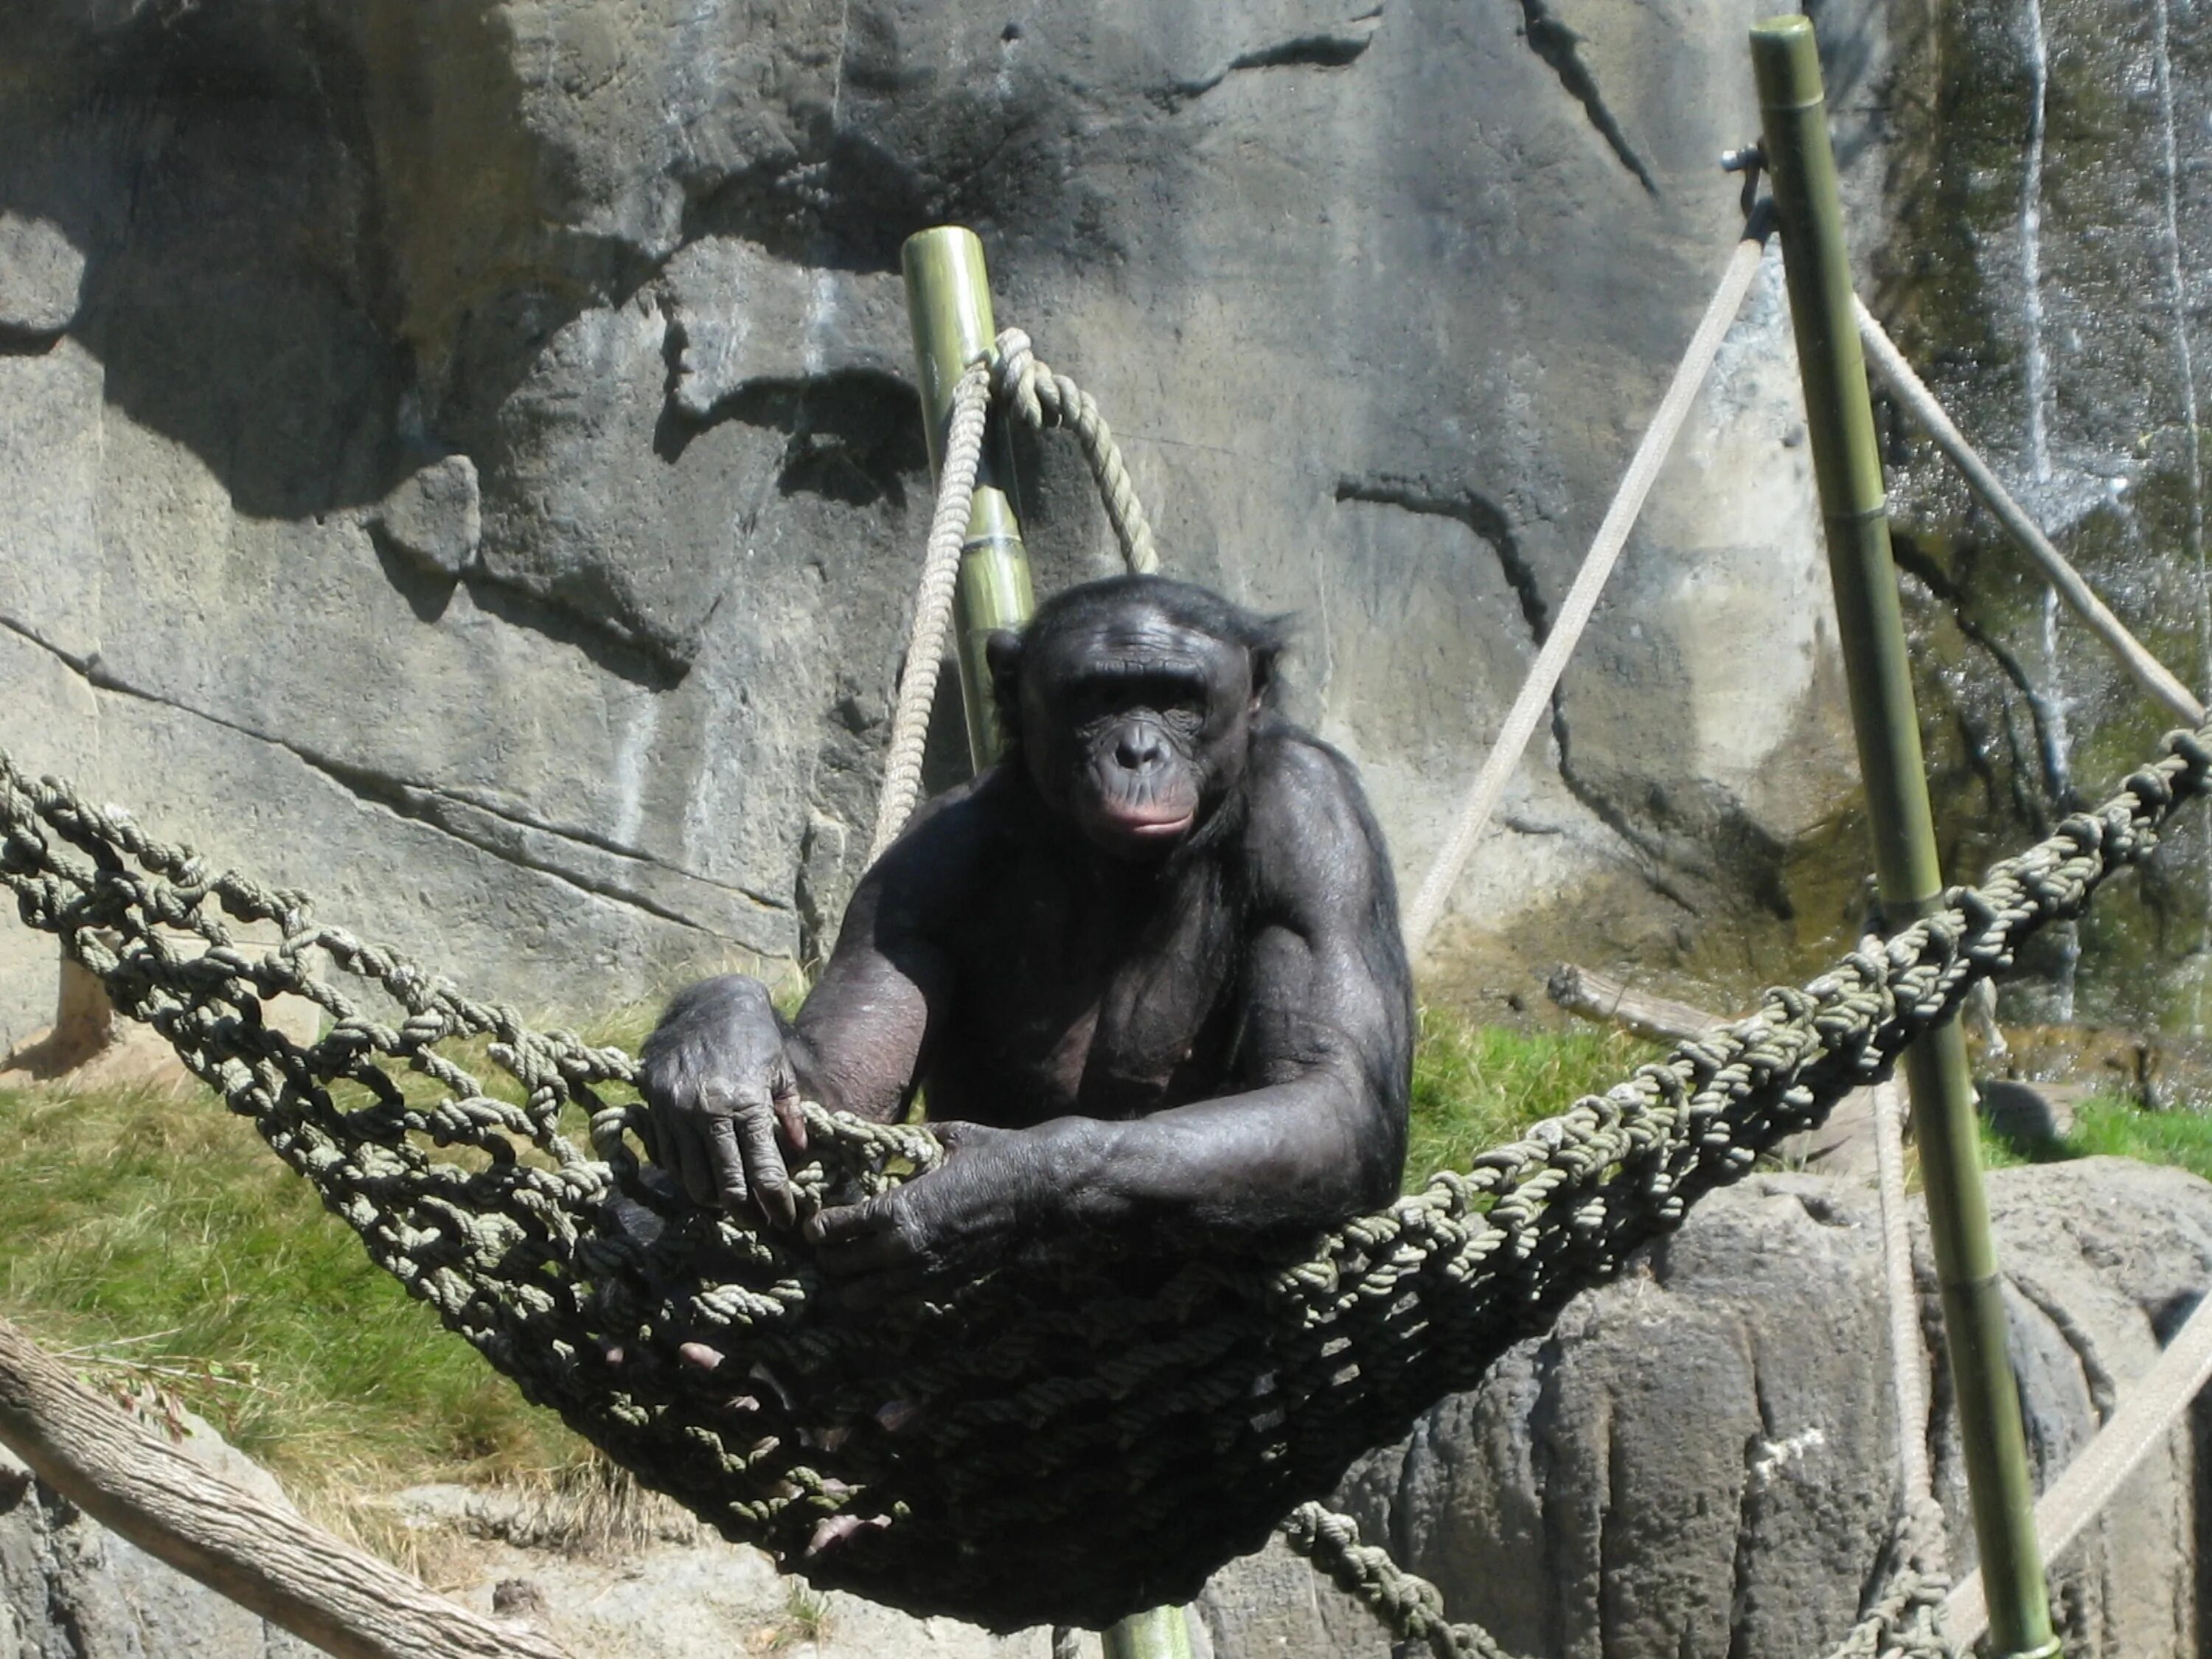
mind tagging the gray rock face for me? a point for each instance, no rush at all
(1377, 298)
(2050, 229)
(1701, 1460)
(41, 270)
(71, 1589)
(435, 517)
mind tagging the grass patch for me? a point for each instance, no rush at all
(150, 1235)
(1477, 1086)
(2114, 1127)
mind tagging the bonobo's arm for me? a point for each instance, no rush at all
(723, 1073)
(1316, 1130)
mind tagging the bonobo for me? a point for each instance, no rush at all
(1146, 969)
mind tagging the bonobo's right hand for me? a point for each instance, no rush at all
(716, 1084)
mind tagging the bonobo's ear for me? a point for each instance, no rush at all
(1262, 658)
(1002, 654)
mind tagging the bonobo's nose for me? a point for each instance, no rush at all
(1138, 749)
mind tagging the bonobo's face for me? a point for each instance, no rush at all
(1136, 726)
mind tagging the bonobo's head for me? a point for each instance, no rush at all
(1129, 703)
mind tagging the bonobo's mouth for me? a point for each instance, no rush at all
(1119, 825)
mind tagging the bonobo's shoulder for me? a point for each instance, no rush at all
(1303, 793)
(951, 836)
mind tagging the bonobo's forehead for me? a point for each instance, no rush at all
(1136, 638)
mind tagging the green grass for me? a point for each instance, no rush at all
(2118, 1127)
(149, 1237)
(1476, 1086)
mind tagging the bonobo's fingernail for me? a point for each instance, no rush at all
(896, 1414)
(699, 1354)
(613, 1356)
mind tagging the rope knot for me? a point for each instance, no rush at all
(1014, 375)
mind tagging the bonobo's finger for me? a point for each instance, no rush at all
(793, 1119)
(692, 1165)
(727, 1165)
(869, 1250)
(846, 1221)
(765, 1163)
(841, 1528)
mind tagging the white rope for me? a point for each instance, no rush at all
(1042, 399)
(2155, 678)
(1906, 1387)
(2152, 1404)
(1536, 697)
(1030, 391)
(932, 607)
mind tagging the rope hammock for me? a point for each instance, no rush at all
(1064, 1439)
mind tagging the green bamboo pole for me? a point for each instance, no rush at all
(1847, 466)
(948, 298)
(1162, 1633)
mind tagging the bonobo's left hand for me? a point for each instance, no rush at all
(717, 1085)
(994, 1185)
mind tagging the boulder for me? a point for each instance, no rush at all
(1701, 1458)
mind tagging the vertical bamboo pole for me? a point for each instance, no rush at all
(1162, 1633)
(1847, 466)
(948, 298)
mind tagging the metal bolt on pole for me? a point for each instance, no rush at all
(1847, 466)
(948, 298)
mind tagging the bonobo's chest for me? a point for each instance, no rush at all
(1108, 997)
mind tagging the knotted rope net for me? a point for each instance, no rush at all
(1061, 1439)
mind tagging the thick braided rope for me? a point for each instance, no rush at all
(932, 607)
(1408, 1604)
(1043, 398)
(1056, 1441)
(1535, 697)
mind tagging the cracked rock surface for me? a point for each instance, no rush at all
(1700, 1461)
(463, 461)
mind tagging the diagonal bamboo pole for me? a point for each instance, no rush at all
(1847, 467)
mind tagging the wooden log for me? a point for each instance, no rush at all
(1593, 996)
(260, 1554)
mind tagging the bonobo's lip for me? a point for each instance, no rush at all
(1137, 829)
(1151, 828)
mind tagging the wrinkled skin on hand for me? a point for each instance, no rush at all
(719, 1090)
(1147, 969)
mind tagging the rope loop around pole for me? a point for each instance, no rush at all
(1011, 376)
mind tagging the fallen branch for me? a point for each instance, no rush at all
(1593, 996)
(259, 1553)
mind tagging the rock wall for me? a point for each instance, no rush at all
(463, 461)
(2050, 232)
(1701, 1460)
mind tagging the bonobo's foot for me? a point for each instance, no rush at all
(718, 1087)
